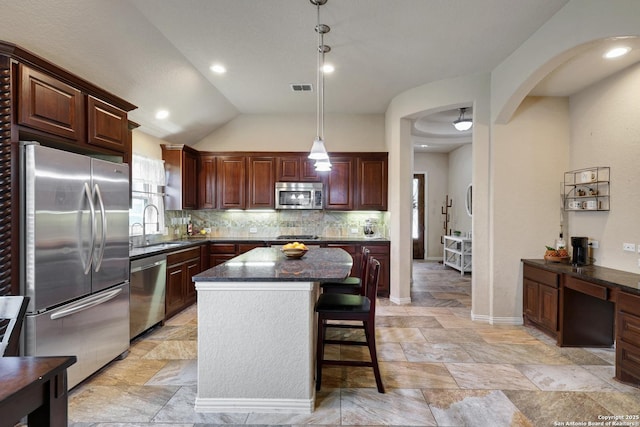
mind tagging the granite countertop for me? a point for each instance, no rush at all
(176, 245)
(271, 265)
(592, 273)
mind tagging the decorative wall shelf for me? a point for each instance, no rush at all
(587, 189)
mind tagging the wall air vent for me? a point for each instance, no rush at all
(301, 87)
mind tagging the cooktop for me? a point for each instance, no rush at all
(297, 237)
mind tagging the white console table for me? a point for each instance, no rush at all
(457, 253)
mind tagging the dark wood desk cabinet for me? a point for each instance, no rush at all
(628, 338)
(540, 298)
(589, 306)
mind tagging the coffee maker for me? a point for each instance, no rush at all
(580, 247)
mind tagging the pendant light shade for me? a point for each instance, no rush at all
(318, 150)
(461, 123)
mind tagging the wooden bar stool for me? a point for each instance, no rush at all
(339, 307)
(352, 284)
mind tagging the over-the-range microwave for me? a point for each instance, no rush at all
(298, 195)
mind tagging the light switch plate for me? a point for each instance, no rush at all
(253, 230)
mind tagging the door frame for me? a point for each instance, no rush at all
(419, 244)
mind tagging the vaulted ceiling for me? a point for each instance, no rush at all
(157, 54)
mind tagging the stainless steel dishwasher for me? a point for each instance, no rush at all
(148, 280)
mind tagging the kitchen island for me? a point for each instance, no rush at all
(256, 330)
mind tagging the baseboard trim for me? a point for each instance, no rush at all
(400, 301)
(516, 321)
(296, 406)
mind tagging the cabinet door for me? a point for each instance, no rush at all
(192, 268)
(339, 188)
(548, 299)
(530, 299)
(372, 183)
(174, 290)
(383, 255)
(262, 172)
(231, 182)
(49, 105)
(107, 126)
(308, 172)
(189, 180)
(288, 169)
(217, 259)
(207, 182)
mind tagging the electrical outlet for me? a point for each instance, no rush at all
(630, 247)
(354, 231)
(594, 244)
(253, 230)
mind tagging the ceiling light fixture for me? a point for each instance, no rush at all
(318, 150)
(162, 114)
(616, 52)
(462, 124)
(218, 69)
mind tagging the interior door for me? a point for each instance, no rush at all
(417, 232)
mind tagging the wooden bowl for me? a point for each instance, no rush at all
(557, 258)
(294, 253)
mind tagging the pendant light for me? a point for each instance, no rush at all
(462, 124)
(318, 150)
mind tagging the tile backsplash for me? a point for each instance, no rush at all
(273, 223)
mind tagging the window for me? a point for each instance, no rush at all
(147, 192)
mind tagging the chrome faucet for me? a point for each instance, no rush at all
(144, 221)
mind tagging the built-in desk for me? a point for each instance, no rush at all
(35, 387)
(256, 330)
(588, 306)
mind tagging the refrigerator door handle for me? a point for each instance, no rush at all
(99, 299)
(103, 217)
(92, 209)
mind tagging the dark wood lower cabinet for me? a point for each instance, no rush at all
(628, 338)
(180, 289)
(222, 252)
(380, 251)
(540, 299)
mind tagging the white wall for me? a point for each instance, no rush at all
(435, 167)
(605, 131)
(146, 145)
(295, 132)
(460, 175)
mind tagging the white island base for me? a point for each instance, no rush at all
(256, 346)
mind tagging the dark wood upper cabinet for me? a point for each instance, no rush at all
(372, 182)
(296, 168)
(49, 105)
(231, 181)
(261, 180)
(181, 168)
(206, 182)
(339, 183)
(107, 125)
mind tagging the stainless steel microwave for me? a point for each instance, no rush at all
(299, 195)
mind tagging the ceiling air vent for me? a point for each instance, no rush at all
(301, 87)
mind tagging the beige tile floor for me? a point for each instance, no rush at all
(439, 369)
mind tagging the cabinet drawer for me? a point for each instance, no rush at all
(377, 249)
(182, 256)
(222, 248)
(597, 291)
(628, 303)
(541, 276)
(628, 362)
(246, 247)
(629, 328)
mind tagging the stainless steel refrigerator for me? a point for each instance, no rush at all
(75, 257)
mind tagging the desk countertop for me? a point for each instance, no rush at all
(592, 273)
(270, 265)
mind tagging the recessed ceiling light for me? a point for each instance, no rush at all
(328, 68)
(218, 69)
(162, 114)
(617, 52)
